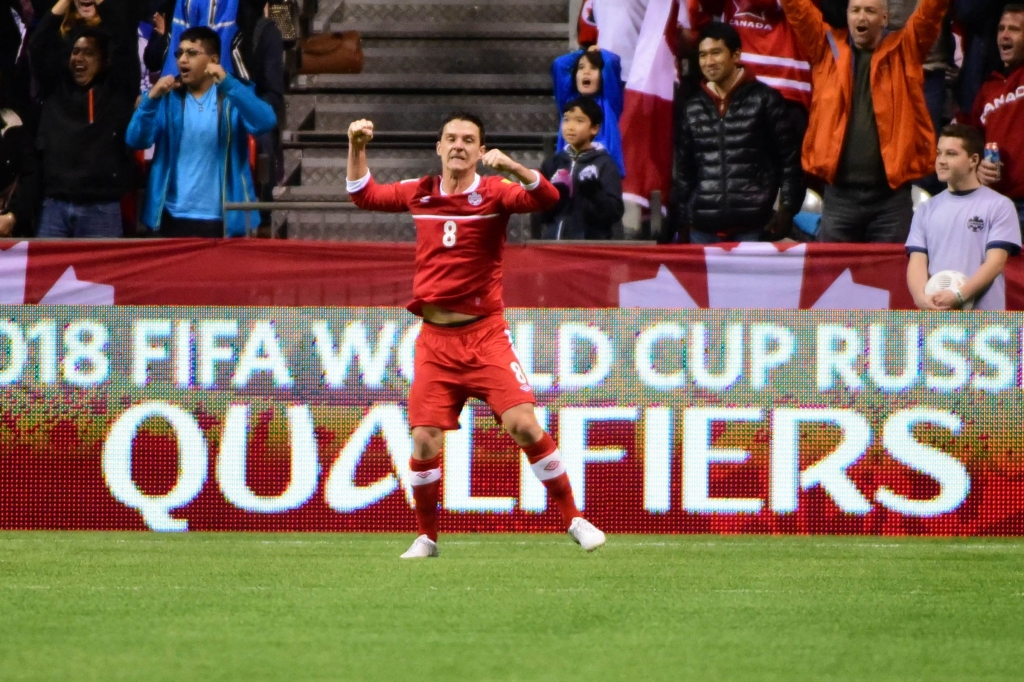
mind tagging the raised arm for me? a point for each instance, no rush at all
(925, 24)
(359, 135)
(534, 193)
(178, 26)
(561, 78)
(120, 18)
(47, 49)
(148, 121)
(362, 190)
(810, 28)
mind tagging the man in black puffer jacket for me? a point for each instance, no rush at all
(736, 148)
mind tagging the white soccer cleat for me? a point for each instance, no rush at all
(586, 534)
(425, 548)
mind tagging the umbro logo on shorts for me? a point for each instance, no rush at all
(525, 388)
(551, 466)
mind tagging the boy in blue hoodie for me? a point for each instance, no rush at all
(200, 123)
(588, 180)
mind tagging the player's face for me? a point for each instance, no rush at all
(459, 146)
(866, 20)
(577, 129)
(953, 164)
(717, 62)
(1010, 38)
(588, 78)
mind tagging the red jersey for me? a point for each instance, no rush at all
(770, 48)
(999, 110)
(460, 238)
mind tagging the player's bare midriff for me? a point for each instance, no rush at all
(442, 316)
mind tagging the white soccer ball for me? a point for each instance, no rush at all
(948, 279)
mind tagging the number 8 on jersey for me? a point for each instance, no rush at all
(449, 234)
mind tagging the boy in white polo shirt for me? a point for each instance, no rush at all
(968, 228)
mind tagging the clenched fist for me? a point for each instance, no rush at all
(216, 72)
(497, 160)
(163, 86)
(360, 132)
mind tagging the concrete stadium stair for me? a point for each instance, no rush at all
(424, 58)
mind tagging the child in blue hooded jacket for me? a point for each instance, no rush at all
(596, 74)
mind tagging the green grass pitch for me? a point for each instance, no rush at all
(137, 606)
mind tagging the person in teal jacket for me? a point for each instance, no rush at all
(200, 123)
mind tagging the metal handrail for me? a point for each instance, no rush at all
(290, 206)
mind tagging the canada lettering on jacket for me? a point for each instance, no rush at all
(1007, 98)
(758, 25)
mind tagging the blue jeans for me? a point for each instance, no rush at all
(870, 215)
(62, 219)
(698, 237)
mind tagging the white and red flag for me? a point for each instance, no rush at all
(646, 123)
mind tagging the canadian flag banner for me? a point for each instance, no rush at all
(281, 273)
(646, 123)
(586, 26)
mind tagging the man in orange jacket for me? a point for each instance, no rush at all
(869, 133)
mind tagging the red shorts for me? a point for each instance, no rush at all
(454, 364)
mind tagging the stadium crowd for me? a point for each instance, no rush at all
(843, 97)
(96, 103)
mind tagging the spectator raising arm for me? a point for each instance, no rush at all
(150, 118)
(47, 49)
(814, 35)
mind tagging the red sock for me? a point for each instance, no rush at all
(426, 485)
(547, 465)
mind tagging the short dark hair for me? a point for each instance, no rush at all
(589, 108)
(717, 30)
(205, 36)
(98, 35)
(596, 60)
(973, 140)
(1013, 8)
(462, 116)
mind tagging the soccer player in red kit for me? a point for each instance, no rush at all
(465, 348)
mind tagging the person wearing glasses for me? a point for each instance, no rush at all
(200, 122)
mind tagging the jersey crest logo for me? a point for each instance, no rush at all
(975, 224)
(424, 200)
(475, 199)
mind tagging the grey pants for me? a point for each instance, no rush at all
(866, 215)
